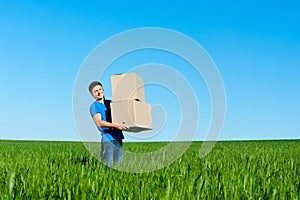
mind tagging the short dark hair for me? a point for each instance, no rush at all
(93, 84)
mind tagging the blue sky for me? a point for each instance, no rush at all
(255, 45)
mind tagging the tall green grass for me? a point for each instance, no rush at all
(233, 170)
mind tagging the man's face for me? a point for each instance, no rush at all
(98, 92)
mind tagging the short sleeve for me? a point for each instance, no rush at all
(93, 110)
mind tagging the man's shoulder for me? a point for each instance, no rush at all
(97, 106)
(94, 104)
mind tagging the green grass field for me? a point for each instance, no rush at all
(233, 170)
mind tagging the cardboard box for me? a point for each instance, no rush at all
(127, 87)
(136, 115)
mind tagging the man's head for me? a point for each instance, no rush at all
(96, 90)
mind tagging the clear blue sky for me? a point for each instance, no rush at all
(255, 45)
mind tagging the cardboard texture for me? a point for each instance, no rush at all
(134, 114)
(127, 87)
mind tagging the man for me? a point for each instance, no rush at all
(112, 136)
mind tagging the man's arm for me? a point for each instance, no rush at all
(99, 122)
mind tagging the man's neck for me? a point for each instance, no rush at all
(100, 100)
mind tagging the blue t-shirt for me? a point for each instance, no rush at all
(108, 134)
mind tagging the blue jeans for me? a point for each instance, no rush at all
(111, 151)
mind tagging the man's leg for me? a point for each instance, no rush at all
(102, 151)
(118, 151)
(108, 152)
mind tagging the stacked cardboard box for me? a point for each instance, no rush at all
(129, 105)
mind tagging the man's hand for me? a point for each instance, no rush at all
(121, 127)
